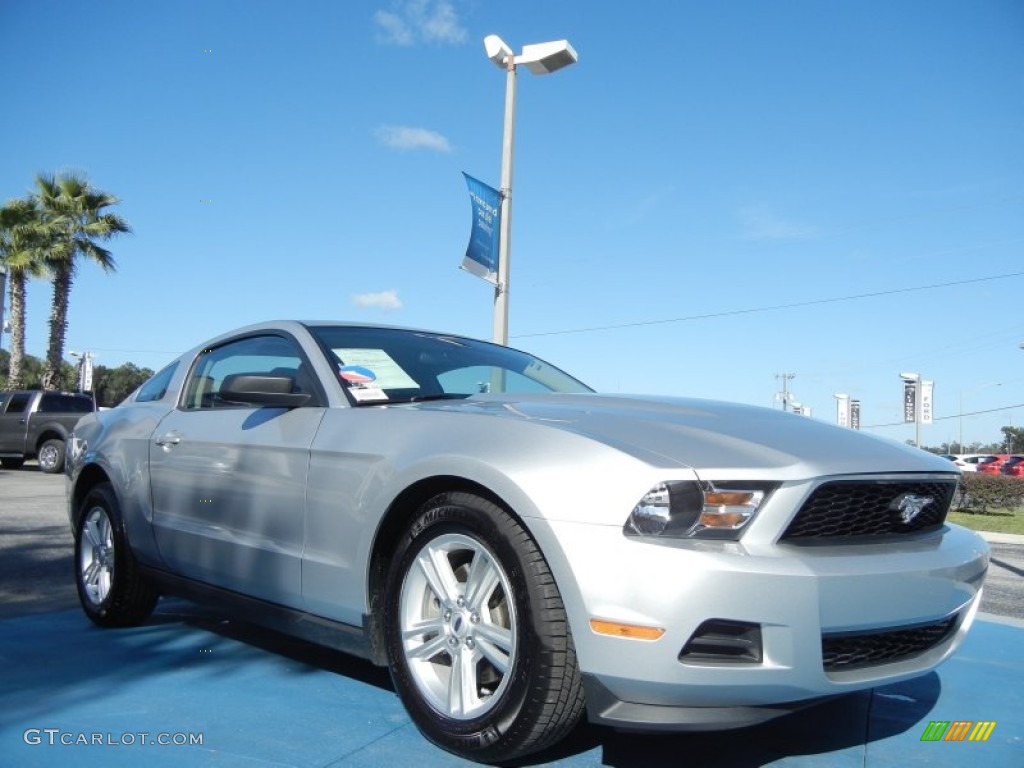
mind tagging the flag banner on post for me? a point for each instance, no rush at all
(909, 401)
(843, 410)
(481, 257)
(855, 414)
(927, 387)
(85, 371)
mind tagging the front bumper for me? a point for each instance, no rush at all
(794, 594)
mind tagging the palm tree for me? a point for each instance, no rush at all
(20, 253)
(73, 220)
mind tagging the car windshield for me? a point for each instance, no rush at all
(386, 365)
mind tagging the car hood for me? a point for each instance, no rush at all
(727, 438)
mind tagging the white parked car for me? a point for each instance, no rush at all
(968, 462)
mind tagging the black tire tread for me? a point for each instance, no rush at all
(562, 704)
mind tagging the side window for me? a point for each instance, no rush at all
(17, 403)
(256, 355)
(156, 387)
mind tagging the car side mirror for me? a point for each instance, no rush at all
(262, 389)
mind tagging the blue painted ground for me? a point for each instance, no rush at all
(260, 699)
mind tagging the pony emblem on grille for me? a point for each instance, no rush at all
(910, 505)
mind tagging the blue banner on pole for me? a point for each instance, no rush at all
(482, 254)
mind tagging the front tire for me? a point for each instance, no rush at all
(478, 639)
(51, 456)
(110, 588)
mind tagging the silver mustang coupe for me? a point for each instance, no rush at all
(517, 548)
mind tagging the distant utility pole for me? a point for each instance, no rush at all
(784, 395)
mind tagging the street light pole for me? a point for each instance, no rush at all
(540, 59)
(505, 217)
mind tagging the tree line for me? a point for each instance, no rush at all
(1012, 442)
(47, 234)
(109, 385)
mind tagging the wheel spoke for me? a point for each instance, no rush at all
(483, 578)
(426, 649)
(431, 626)
(435, 566)
(103, 584)
(92, 533)
(91, 574)
(495, 644)
(462, 684)
(429, 649)
(106, 531)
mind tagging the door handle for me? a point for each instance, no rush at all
(171, 438)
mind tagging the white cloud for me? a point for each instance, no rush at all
(380, 300)
(392, 29)
(426, 21)
(406, 137)
(759, 223)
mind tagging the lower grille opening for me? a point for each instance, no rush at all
(718, 641)
(844, 651)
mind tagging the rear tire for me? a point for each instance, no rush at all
(51, 456)
(477, 636)
(110, 588)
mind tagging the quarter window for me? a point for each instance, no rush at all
(156, 387)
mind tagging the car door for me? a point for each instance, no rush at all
(229, 481)
(13, 422)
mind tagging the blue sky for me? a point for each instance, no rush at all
(702, 160)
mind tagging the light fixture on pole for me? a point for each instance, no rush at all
(540, 59)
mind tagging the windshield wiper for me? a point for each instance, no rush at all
(428, 398)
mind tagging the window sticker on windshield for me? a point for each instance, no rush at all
(362, 383)
(356, 374)
(388, 373)
(366, 393)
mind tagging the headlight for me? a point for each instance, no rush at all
(688, 509)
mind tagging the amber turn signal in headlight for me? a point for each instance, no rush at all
(691, 509)
(729, 510)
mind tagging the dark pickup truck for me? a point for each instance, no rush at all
(37, 424)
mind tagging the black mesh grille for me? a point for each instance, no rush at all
(871, 508)
(840, 652)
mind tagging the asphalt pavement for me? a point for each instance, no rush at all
(190, 687)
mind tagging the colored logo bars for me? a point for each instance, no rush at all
(958, 730)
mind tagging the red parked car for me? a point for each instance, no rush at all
(993, 464)
(1013, 466)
